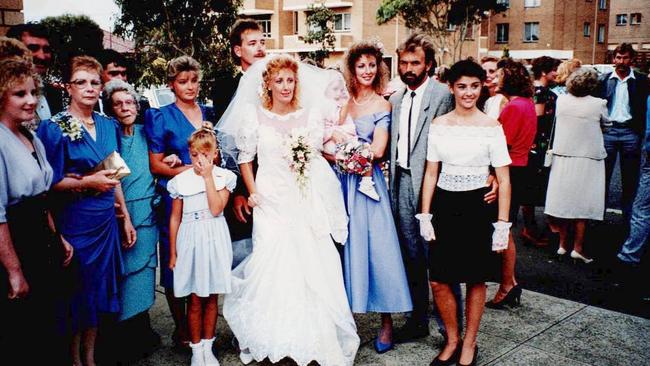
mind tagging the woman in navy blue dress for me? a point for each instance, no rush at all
(76, 141)
(167, 130)
(375, 279)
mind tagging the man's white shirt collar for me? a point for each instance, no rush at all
(614, 75)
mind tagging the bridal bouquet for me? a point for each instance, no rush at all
(354, 157)
(298, 153)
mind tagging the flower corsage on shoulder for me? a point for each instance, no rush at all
(70, 125)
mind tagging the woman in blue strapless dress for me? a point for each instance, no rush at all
(375, 279)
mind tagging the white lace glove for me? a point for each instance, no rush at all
(500, 235)
(426, 228)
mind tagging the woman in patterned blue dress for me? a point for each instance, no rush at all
(167, 130)
(76, 141)
(375, 279)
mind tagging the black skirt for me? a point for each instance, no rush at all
(40, 254)
(462, 251)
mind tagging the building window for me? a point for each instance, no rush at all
(266, 27)
(621, 19)
(342, 22)
(532, 3)
(586, 29)
(469, 32)
(505, 3)
(601, 33)
(635, 18)
(602, 4)
(531, 32)
(502, 32)
(295, 22)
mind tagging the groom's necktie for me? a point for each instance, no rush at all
(408, 133)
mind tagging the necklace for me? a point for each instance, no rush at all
(368, 99)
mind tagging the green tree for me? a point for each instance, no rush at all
(164, 29)
(449, 22)
(72, 35)
(319, 31)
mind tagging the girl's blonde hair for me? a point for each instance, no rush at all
(204, 138)
(272, 68)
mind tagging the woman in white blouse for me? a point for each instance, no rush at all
(468, 231)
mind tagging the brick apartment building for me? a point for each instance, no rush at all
(630, 22)
(284, 24)
(10, 14)
(558, 28)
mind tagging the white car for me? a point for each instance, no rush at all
(159, 96)
(601, 68)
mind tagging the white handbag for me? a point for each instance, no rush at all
(548, 156)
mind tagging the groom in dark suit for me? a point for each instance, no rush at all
(247, 46)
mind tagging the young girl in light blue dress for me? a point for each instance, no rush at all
(200, 246)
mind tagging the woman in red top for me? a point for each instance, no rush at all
(519, 122)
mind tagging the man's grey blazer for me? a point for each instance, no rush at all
(436, 101)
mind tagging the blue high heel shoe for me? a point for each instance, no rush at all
(383, 347)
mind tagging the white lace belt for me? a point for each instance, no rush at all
(464, 170)
(459, 183)
(197, 216)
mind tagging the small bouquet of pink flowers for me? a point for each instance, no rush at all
(354, 157)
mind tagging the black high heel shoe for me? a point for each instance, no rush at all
(451, 360)
(512, 298)
(474, 358)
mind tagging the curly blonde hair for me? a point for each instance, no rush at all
(365, 48)
(566, 68)
(14, 71)
(272, 68)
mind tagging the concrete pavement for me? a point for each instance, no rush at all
(544, 330)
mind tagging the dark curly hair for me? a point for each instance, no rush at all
(354, 54)
(544, 65)
(464, 68)
(515, 80)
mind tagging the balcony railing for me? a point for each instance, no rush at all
(298, 5)
(256, 7)
(296, 43)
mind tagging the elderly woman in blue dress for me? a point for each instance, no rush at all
(140, 261)
(76, 141)
(167, 130)
(30, 253)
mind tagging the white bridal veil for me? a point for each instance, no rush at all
(312, 85)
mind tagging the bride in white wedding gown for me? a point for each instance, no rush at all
(288, 297)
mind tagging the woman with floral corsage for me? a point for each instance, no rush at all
(76, 141)
(287, 297)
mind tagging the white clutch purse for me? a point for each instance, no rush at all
(114, 162)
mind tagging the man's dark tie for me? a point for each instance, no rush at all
(408, 133)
